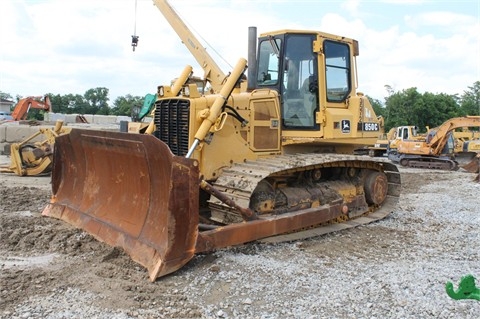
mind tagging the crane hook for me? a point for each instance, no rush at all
(134, 42)
(135, 36)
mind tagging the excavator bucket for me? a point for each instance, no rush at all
(129, 191)
(473, 166)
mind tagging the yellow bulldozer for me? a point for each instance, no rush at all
(265, 156)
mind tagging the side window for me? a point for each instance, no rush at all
(414, 131)
(268, 62)
(337, 62)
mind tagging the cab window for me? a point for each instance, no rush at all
(300, 82)
(337, 70)
(269, 62)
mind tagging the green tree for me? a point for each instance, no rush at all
(409, 107)
(35, 114)
(68, 103)
(378, 107)
(401, 107)
(437, 109)
(6, 96)
(123, 105)
(79, 105)
(470, 100)
(97, 101)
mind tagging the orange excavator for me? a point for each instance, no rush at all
(436, 149)
(24, 105)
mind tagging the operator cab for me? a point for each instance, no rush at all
(288, 63)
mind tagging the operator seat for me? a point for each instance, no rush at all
(308, 90)
(301, 105)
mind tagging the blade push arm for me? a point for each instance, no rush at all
(218, 104)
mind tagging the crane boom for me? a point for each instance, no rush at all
(213, 73)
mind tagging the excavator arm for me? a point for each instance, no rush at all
(439, 139)
(23, 106)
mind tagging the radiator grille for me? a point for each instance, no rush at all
(172, 123)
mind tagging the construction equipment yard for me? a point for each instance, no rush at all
(230, 201)
(394, 268)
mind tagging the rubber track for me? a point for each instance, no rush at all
(239, 182)
(446, 165)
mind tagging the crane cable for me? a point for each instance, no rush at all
(200, 36)
(135, 36)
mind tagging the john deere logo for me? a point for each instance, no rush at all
(345, 126)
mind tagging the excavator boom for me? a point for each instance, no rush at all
(440, 135)
(23, 106)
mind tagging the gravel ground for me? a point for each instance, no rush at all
(394, 268)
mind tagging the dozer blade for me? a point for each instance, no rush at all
(129, 191)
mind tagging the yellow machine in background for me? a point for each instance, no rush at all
(436, 150)
(34, 158)
(381, 145)
(269, 155)
(466, 142)
(467, 150)
(387, 143)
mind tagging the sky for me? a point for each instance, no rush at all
(68, 47)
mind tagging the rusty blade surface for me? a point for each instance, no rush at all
(129, 191)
